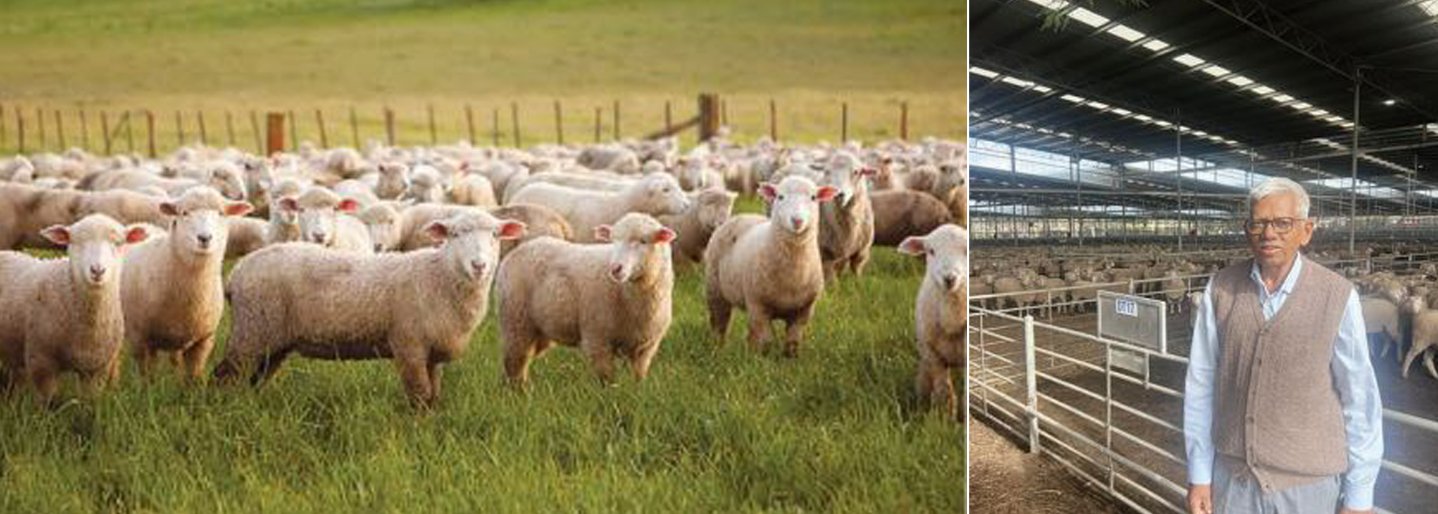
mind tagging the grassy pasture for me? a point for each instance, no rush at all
(302, 55)
(714, 428)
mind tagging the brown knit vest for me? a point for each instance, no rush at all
(1276, 411)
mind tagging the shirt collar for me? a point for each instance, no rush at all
(1288, 282)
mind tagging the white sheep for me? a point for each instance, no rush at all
(418, 308)
(708, 209)
(769, 267)
(473, 189)
(846, 226)
(941, 312)
(654, 195)
(171, 292)
(606, 299)
(323, 220)
(64, 314)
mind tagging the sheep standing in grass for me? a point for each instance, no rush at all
(900, 214)
(708, 209)
(940, 312)
(25, 211)
(655, 195)
(171, 291)
(418, 308)
(64, 314)
(606, 299)
(769, 267)
(846, 225)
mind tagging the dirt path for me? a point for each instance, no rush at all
(1003, 479)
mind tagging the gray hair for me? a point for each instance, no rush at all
(1280, 185)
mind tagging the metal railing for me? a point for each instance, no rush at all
(1131, 451)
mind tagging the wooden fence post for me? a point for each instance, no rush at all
(204, 131)
(668, 118)
(469, 122)
(598, 122)
(616, 120)
(105, 129)
(84, 131)
(773, 121)
(433, 134)
(844, 123)
(40, 122)
(2, 124)
(354, 128)
(60, 130)
(904, 121)
(709, 116)
(559, 122)
(320, 121)
(514, 119)
(229, 128)
(389, 126)
(20, 128)
(255, 131)
(129, 133)
(723, 112)
(150, 128)
(179, 129)
(494, 128)
(275, 130)
(294, 131)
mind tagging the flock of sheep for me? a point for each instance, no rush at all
(393, 252)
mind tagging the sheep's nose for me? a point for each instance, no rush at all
(797, 222)
(204, 240)
(479, 267)
(378, 248)
(616, 271)
(317, 237)
(951, 280)
(97, 271)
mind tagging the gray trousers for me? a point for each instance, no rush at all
(1236, 491)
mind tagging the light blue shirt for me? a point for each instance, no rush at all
(1352, 376)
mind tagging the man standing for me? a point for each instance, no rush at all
(1281, 411)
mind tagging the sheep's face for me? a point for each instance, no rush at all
(662, 195)
(318, 212)
(847, 174)
(380, 220)
(471, 242)
(393, 180)
(426, 187)
(639, 245)
(715, 207)
(794, 203)
(228, 181)
(93, 245)
(953, 178)
(196, 220)
(946, 252)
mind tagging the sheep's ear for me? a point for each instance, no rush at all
(238, 208)
(510, 230)
(664, 236)
(827, 193)
(347, 205)
(768, 192)
(289, 204)
(437, 231)
(464, 166)
(169, 209)
(58, 234)
(603, 233)
(912, 245)
(136, 233)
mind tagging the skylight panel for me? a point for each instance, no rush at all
(1156, 45)
(1017, 81)
(1188, 60)
(1216, 70)
(982, 72)
(1127, 34)
(1262, 90)
(1074, 98)
(1240, 80)
(1087, 17)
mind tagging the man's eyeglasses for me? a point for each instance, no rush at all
(1280, 225)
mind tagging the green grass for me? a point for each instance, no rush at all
(218, 55)
(713, 429)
